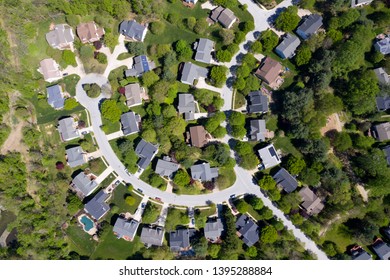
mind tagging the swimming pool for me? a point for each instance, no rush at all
(87, 222)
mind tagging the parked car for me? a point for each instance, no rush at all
(233, 196)
(84, 132)
(157, 198)
(141, 191)
(193, 221)
(234, 210)
(143, 205)
(117, 182)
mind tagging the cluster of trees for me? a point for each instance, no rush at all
(92, 90)
(237, 124)
(176, 218)
(248, 159)
(288, 20)
(245, 82)
(213, 125)
(218, 75)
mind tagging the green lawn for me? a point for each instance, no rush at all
(202, 215)
(97, 166)
(333, 234)
(130, 166)
(147, 175)
(110, 127)
(80, 241)
(70, 83)
(226, 178)
(284, 143)
(6, 217)
(272, 123)
(108, 180)
(118, 198)
(193, 190)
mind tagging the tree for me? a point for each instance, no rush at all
(110, 40)
(247, 26)
(157, 27)
(267, 182)
(295, 165)
(191, 21)
(150, 214)
(183, 50)
(70, 103)
(310, 177)
(182, 178)
(256, 203)
(102, 58)
(239, 38)
(136, 48)
(69, 58)
(149, 135)
(200, 247)
(110, 110)
(269, 235)
(201, 26)
(342, 141)
(249, 162)
(243, 70)
(238, 131)
(218, 75)
(303, 56)
(130, 200)
(227, 36)
(269, 40)
(329, 248)
(224, 56)
(92, 90)
(149, 78)
(243, 148)
(256, 47)
(237, 118)
(362, 142)
(252, 252)
(242, 206)
(213, 250)
(288, 20)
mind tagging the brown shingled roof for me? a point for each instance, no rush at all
(89, 32)
(269, 70)
(198, 136)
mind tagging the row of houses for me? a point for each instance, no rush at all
(381, 248)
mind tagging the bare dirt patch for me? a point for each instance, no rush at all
(363, 192)
(332, 123)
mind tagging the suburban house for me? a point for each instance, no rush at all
(286, 49)
(130, 123)
(55, 97)
(382, 131)
(152, 236)
(133, 94)
(187, 106)
(97, 207)
(258, 131)
(258, 103)
(84, 184)
(50, 70)
(67, 128)
(383, 45)
(224, 16)
(382, 249)
(125, 229)
(132, 30)
(269, 71)
(285, 180)
(213, 230)
(190, 2)
(382, 76)
(141, 65)
(198, 136)
(204, 48)
(75, 156)
(179, 240)
(269, 157)
(247, 230)
(386, 232)
(166, 168)
(387, 153)
(203, 172)
(192, 72)
(89, 32)
(359, 254)
(311, 204)
(146, 152)
(309, 26)
(359, 3)
(383, 103)
(60, 37)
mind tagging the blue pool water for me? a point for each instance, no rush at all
(88, 224)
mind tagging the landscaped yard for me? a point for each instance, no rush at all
(284, 143)
(97, 166)
(110, 127)
(108, 180)
(202, 215)
(80, 241)
(129, 159)
(226, 178)
(119, 196)
(155, 180)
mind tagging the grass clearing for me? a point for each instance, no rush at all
(284, 144)
(97, 166)
(110, 127)
(80, 241)
(118, 198)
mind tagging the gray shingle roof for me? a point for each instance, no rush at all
(125, 229)
(383, 103)
(226, 18)
(258, 103)
(133, 95)
(146, 151)
(203, 172)
(284, 179)
(203, 50)
(257, 130)
(83, 184)
(129, 123)
(383, 45)
(311, 203)
(286, 49)
(55, 97)
(360, 254)
(166, 168)
(140, 66)
(248, 230)
(382, 131)
(67, 129)
(75, 156)
(269, 156)
(187, 105)
(152, 236)
(97, 206)
(213, 229)
(192, 72)
(133, 30)
(387, 153)
(382, 76)
(179, 239)
(382, 249)
(310, 26)
(61, 36)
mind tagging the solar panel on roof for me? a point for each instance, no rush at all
(145, 63)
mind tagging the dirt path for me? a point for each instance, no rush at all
(333, 123)
(328, 225)
(363, 192)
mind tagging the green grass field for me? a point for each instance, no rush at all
(118, 198)
(80, 241)
(284, 143)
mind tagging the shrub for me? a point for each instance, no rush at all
(130, 200)
(102, 58)
(157, 27)
(70, 103)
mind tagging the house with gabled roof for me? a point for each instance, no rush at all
(141, 65)
(258, 103)
(97, 207)
(133, 94)
(383, 77)
(213, 230)
(84, 184)
(383, 103)
(152, 236)
(55, 97)
(187, 106)
(258, 130)
(166, 168)
(191, 72)
(146, 152)
(50, 70)
(310, 26)
(382, 131)
(224, 16)
(382, 249)
(179, 240)
(89, 32)
(247, 230)
(288, 46)
(75, 156)
(67, 128)
(387, 154)
(383, 45)
(204, 48)
(125, 229)
(359, 254)
(285, 180)
(311, 204)
(269, 71)
(360, 3)
(269, 157)
(198, 136)
(203, 172)
(132, 30)
(60, 37)
(130, 123)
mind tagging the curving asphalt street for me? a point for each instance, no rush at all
(244, 183)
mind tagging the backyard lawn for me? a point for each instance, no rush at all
(80, 241)
(97, 166)
(284, 143)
